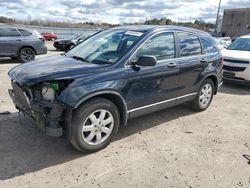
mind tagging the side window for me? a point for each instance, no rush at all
(24, 32)
(9, 32)
(162, 46)
(189, 45)
(207, 47)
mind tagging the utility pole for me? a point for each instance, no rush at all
(217, 20)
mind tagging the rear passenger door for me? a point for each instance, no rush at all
(190, 63)
(27, 38)
(10, 41)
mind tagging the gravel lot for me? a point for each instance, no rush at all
(176, 147)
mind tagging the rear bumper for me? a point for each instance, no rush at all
(220, 85)
(42, 50)
(46, 114)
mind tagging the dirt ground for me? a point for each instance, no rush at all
(176, 147)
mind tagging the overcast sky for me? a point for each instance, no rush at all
(115, 11)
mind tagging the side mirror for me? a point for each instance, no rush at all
(146, 60)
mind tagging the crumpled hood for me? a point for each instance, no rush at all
(52, 68)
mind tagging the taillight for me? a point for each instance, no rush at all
(222, 61)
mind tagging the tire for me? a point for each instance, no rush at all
(26, 54)
(202, 103)
(86, 129)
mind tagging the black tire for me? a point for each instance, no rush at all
(81, 115)
(26, 54)
(196, 103)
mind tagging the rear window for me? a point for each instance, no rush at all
(207, 47)
(189, 45)
(9, 32)
(24, 32)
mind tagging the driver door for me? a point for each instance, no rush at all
(153, 88)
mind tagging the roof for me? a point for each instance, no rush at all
(245, 36)
(148, 28)
(16, 26)
(237, 9)
(13, 26)
(2, 25)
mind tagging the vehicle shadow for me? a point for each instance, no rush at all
(25, 149)
(8, 61)
(235, 89)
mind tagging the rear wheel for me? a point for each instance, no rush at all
(94, 125)
(204, 96)
(26, 54)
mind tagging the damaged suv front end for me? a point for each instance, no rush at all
(38, 89)
(40, 102)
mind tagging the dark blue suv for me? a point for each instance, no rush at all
(120, 73)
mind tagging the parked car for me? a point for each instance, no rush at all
(221, 44)
(69, 43)
(49, 36)
(227, 40)
(236, 67)
(20, 43)
(118, 74)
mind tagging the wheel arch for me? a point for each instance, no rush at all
(27, 46)
(215, 80)
(114, 97)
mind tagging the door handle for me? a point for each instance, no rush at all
(203, 61)
(19, 40)
(172, 65)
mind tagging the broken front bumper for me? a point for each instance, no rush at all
(47, 115)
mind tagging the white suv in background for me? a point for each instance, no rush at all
(237, 61)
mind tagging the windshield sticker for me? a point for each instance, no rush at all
(134, 33)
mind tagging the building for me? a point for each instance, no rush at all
(236, 22)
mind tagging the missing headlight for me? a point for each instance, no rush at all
(52, 89)
(48, 92)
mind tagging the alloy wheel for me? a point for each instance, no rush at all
(205, 95)
(97, 127)
(27, 55)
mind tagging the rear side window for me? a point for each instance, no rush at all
(207, 47)
(162, 46)
(24, 32)
(9, 32)
(189, 45)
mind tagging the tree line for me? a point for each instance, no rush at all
(198, 24)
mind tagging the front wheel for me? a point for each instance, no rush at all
(204, 96)
(94, 125)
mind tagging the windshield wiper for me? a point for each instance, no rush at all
(80, 58)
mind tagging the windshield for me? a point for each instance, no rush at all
(240, 44)
(106, 47)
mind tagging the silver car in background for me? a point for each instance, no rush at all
(20, 43)
(236, 67)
